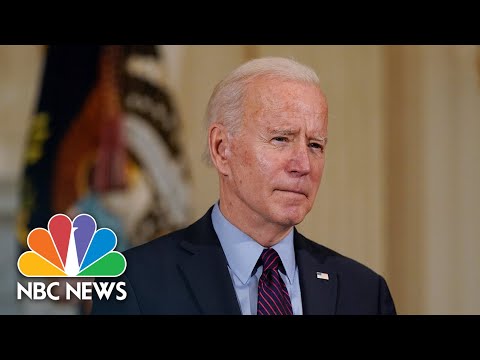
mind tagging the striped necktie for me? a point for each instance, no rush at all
(273, 298)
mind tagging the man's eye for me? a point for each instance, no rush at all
(280, 138)
(316, 146)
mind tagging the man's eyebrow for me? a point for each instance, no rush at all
(286, 131)
(321, 139)
(282, 131)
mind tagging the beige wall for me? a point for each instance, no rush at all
(434, 177)
(19, 71)
(400, 189)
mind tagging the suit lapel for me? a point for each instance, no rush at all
(319, 296)
(206, 271)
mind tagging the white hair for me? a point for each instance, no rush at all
(226, 102)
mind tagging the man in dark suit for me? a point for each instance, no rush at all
(267, 134)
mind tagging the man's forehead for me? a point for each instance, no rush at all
(281, 117)
(276, 89)
(288, 106)
(288, 111)
(277, 105)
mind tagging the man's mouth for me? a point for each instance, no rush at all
(299, 192)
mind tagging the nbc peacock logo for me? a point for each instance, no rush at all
(71, 249)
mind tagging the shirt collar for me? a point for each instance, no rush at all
(242, 252)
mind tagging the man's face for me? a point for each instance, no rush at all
(276, 159)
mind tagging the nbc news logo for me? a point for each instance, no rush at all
(71, 249)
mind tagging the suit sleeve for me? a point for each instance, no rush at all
(386, 305)
(112, 306)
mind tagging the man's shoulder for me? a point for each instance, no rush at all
(160, 244)
(166, 246)
(333, 259)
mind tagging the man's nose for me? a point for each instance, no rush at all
(299, 163)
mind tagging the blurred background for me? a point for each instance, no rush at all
(118, 132)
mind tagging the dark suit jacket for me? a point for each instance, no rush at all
(186, 272)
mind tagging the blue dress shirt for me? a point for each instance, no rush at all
(242, 253)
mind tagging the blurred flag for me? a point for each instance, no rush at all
(104, 141)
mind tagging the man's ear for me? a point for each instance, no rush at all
(219, 146)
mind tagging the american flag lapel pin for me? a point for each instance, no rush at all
(322, 275)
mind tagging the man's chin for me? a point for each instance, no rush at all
(292, 218)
